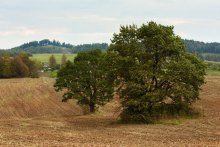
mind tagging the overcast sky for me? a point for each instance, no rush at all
(90, 21)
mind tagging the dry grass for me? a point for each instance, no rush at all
(25, 98)
(32, 115)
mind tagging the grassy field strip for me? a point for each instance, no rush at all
(212, 72)
(44, 58)
(213, 68)
(213, 62)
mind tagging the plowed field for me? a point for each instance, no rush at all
(31, 114)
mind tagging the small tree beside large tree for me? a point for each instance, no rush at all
(86, 80)
(154, 75)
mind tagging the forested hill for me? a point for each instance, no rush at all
(47, 46)
(201, 47)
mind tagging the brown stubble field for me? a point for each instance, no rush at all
(32, 114)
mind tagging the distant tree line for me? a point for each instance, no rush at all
(47, 46)
(46, 42)
(201, 47)
(211, 57)
(87, 47)
(207, 51)
(41, 50)
(18, 66)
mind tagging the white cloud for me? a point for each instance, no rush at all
(174, 21)
(93, 18)
(90, 18)
(29, 32)
(95, 37)
(7, 33)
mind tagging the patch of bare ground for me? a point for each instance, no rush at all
(60, 124)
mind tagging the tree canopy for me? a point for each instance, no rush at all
(86, 80)
(155, 74)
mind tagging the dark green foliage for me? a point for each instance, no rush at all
(86, 80)
(7, 67)
(88, 47)
(44, 46)
(153, 72)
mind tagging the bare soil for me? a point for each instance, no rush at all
(31, 114)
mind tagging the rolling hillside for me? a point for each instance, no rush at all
(47, 46)
(208, 51)
(29, 98)
(23, 98)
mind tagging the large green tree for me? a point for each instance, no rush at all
(155, 74)
(86, 80)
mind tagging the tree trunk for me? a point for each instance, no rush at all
(92, 107)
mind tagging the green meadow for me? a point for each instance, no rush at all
(212, 72)
(44, 58)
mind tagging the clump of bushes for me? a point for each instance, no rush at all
(18, 66)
